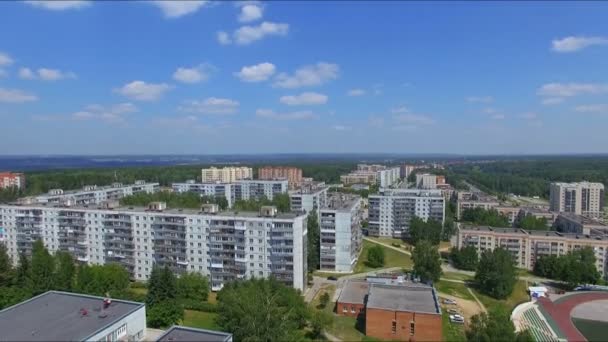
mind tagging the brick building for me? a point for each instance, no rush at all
(10, 179)
(352, 298)
(292, 174)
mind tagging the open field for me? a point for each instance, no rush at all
(199, 319)
(392, 258)
(518, 296)
(454, 289)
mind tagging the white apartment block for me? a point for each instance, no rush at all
(527, 246)
(426, 181)
(387, 177)
(340, 232)
(583, 198)
(222, 245)
(391, 210)
(92, 194)
(309, 197)
(372, 174)
(238, 190)
(226, 174)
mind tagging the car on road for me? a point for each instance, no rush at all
(332, 278)
(449, 301)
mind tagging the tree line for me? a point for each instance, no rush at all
(189, 200)
(574, 268)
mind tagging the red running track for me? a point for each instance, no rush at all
(560, 311)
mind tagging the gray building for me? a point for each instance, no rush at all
(340, 232)
(186, 334)
(391, 210)
(239, 190)
(583, 198)
(63, 316)
(311, 196)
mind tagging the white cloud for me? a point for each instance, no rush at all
(251, 12)
(16, 96)
(309, 75)
(211, 105)
(299, 115)
(224, 38)
(573, 44)
(195, 74)
(112, 114)
(552, 101)
(256, 73)
(571, 89)
(26, 74)
(480, 99)
(62, 5)
(177, 8)
(398, 110)
(142, 91)
(593, 108)
(356, 92)
(342, 128)
(5, 59)
(414, 119)
(304, 99)
(248, 34)
(45, 74)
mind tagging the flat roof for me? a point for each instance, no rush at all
(338, 201)
(179, 333)
(420, 299)
(580, 219)
(58, 316)
(354, 292)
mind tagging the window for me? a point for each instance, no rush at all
(352, 309)
(344, 309)
(394, 327)
(412, 327)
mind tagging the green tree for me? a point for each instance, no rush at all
(575, 268)
(496, 274)
(375, 256)
(282, 202)
(324, 300)
(485, 217)
(465, 258)
(164, 314)
(43, 267)
(161, 286)
(6, 268)
(23, 273)
(98, 280)
(495, 326)
(163, 306)
(319, 321)
(427, 261)
(13, 295)
(530, 222)
(192, 287)
(420, 230)
(261, 310)
(314, 247)
(65, 271)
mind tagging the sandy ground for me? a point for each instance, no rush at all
(596, 310)
(467, 308)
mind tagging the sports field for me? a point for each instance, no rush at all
(592, 330)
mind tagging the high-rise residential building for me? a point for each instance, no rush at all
(309, 197)
(426, 181)
(292, 174)
(12, 180)
(245, 189)
(224, 246)
(340, 232)
(391, 210)
(226, 174)
(583, 198)
(578, 224)
(527, 246)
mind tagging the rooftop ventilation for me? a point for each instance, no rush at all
(268, 211)
(210, 208)
(157, 206)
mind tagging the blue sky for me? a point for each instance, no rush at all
(80, 77)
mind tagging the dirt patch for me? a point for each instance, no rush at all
(468, 308)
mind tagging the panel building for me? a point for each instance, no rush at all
(12, 180)
(583, 198)
(309, 197)
(222, 245)
(340, 232)
(372, 174)
(527, 246)
(226, 174)
(245, 189)
(391, 210)
(292, 174)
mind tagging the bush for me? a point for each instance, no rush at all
(200, 306)
(375, 256)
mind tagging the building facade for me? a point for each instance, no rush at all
(93, 194)
(578, 224)
(239, 190)
(226, 174)
(292, 174)
(12, 180)
(426, 181)
(391, 210)
(222, 245)
(340, 232)
(527, 246)
(583, 198)
(310, 196)
(372, 174)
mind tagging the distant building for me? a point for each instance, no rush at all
(246, 189)
(372, 174)
(509, 212)
(292, 174)
(309, 197)
(186, 334)
(583, 198)
(340, 232)
(471, 200)
(426, 181)
(93, 194)
(63, 316)
(12, 180)
(226, 174)
(537, 213)
(391, 210)
(572, 223)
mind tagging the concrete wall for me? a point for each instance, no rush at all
(136, 324)
(379, 324)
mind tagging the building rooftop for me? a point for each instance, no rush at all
(178, 333)
(409, 192)
(94, 188)
(595, 235)
(61, 316)
(582, 220)
(354, 292)
(403, 298)
(341, 202)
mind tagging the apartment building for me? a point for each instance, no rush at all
(583, 198)
(340, 232)
(527, 246)
(245, 189)
(510, 212)
(470, 200)
(538, 213)
(12, 180)
(92, 194)
(358, 178)
(309, 197)
(391, 210)
(578, 224)
(226, 174)
(222, 245)
(426, 181)
(292, 174)
(372, 174)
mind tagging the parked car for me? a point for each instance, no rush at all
(453, 311)
(458, 319)
(449, 301)
(332, 278)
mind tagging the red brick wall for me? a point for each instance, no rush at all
(379, 324)
(359, 308)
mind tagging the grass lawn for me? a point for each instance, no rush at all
(342, 327)
(139, 290)
(212, 297)
(518, 296)
(329, 274)
(456, 276)
(454, 289)
(451, 332)
(392, 258)
(199, 319)
(390, 241)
